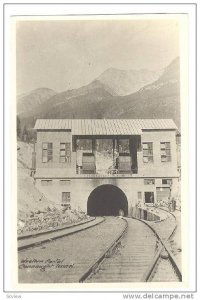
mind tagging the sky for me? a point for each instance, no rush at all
(67, 54)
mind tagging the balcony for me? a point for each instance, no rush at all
(102, 165)
(106, 155)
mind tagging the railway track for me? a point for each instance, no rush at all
(164, 271)
(70, 258)
(116, 250)
(164, 268)
(131, 258)
(43, 232)
(33, 240)
(148, 258)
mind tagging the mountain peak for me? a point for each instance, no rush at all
(158, 99)
(124, 82)
(99, 84)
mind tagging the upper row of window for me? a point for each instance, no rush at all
(47, 152)
(165, 152)
(65, 152)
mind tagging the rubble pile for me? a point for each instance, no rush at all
(48, 219)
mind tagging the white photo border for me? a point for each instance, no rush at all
(47, 9)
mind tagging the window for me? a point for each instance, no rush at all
(84, 144)
(167, 181)
(139, 195)
(124, 146)
(65, 152)
(147, 152)
(66, 200)
(149, 181)
(165, 151)
(65, 197)
(46, 182)
(163, 194)
(149, 197)
(47, 152)
(64, 182)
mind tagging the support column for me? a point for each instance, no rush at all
(94, 151)
(113, 140)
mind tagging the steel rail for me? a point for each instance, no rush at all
(106, 253)
(32, 235)
(38, 243)
(163, 246)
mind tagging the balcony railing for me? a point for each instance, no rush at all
(121, 165)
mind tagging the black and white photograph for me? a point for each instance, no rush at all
(98, 150)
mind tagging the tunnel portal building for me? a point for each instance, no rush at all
(106, 167)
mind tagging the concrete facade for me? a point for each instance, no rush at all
(54, 178)
(81, 188)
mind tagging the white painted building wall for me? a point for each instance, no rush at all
(81, 187)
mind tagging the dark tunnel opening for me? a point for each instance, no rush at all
(107, 200)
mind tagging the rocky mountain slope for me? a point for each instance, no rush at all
(29, 101)
(77, 103)
(160, 99)
(125, 82)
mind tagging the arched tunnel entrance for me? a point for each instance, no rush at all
(107, 200)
